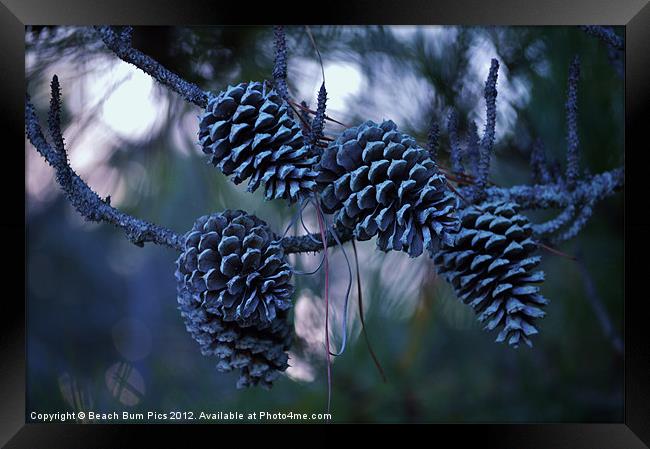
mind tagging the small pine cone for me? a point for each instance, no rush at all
(378, 181)
(250, 134)
(490, 267)
(234, 293)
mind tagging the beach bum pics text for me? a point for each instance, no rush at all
(125, 416)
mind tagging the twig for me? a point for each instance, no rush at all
(599, 309)
(121, 46)
(313, 43)
(538, 163)
(375, 359)
(433, 138)
(80, 195)
(553, 225)
(556, 196)
(580, 221)
(557, 252)
(318, 123)
(456, 153)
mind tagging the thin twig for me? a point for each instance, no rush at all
(374, 357)
(313, 43)
(557, 252)
(311, 111)
(591, 293)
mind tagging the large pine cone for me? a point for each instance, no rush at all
(234, 293)
(378, 181)
(249, 133)
(490, 267)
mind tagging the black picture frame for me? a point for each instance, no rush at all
(633, 432)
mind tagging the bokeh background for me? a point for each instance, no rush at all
(103, 331)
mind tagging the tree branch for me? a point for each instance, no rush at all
(92, 207)
(80, 195)
(556, 195)
(121, 46)
(541, 196)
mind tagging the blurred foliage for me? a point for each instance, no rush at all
(103, 329)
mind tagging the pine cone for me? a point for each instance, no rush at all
(490, 264)
(378, 181)
(250, 134)
(234, 293)
(259, 353)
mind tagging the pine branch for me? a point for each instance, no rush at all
(472, 155)
(556, 195)
(318, 123)
(573, 141)
(487, 142)
(605, 34)
(455, 149)
(538, 164)
(280, 65)
(80, 195)
(93, 208)
(553, 225)
(433, 139)
(580, 221)
(120, 44)
(541, 196)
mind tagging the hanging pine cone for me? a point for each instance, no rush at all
(490, 264)
(249, 133)
(234, 293)
(378, 181)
